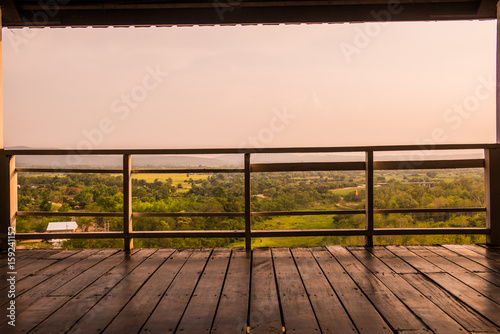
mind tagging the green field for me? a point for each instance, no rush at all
(296, 223)
(343, 192)
(176, 178)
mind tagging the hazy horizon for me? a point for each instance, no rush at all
(252, 86)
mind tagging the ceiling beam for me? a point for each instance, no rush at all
(20, 13)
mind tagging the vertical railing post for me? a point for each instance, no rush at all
(128, 242)
(248, 209)
(369, 198)
(492, 194)
(8, 197)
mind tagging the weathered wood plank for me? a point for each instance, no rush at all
(22, 262)
(33, 267)
(491, 277)
(469, 319)
(330, 313)
(63, 254)
(63, 315)
(439, 261)
(169, 310)
(481, 304)
(27, 254)
(458, 259)
(481, 285)
(133, 316)
(200, 311)
(103, 312)
(492, 248)
(265, 315)
(22, 269)
(488, 252)
(471, 279)
(414, 260)
(29, 317)
(52, 277)
(476, 257)
(26, 266)
(395, 263)
(231, 316)
(393, 310)
(434, 317)
(33, 280)
(298, 315)
(109, 261)
(363, 314)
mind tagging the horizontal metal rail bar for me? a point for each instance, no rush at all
(73, 235)
(429, 164)
(307, 233)
(362, 232)
(429, 210)
(68, 170)
(250, 150)
(242, 214)
(254, 233)
(69, 213)
(307, 213)
(281, 167)
(431, 231)
(307, 166)
(134, 234)
(188, 170)
(187, 214)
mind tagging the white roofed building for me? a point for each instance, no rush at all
(62, 227)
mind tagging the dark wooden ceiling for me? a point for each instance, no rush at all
(63, 13)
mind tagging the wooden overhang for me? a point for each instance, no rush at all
(99, 13)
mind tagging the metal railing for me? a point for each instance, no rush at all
(491, 163)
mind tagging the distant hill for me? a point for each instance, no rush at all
(220, 160)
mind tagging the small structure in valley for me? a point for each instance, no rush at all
(60, 227)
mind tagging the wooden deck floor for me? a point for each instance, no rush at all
(393, 289)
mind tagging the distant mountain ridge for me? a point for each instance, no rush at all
(219, 160)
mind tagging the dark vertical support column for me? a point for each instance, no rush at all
(492, 194)
(498, 75)
(128, 242)
(492, 164)
(8, 197)
(248, 209)
(369, 198)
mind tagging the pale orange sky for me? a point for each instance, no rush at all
(272, 86)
